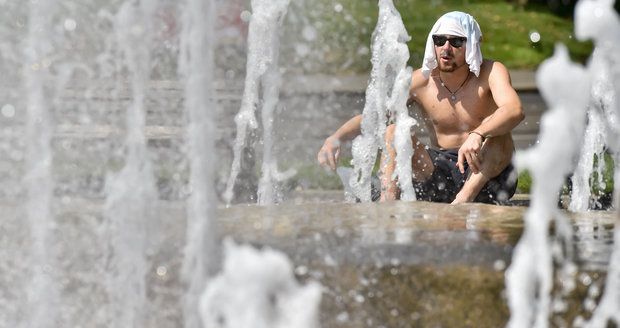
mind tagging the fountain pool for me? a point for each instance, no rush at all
(107, 220)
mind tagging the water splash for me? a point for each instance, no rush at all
(597, 20)
(402, 137)
(593, 145)
(131, 191)
(389, 58)
(196, 63)
(529, 279)
(262, 71)
(258, 289)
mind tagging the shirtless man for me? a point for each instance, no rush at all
(470, 109)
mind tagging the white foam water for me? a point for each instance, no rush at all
(257, 288)
(389, 59)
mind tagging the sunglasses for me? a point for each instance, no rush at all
(456, 41)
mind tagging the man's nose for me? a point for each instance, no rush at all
(446, 45)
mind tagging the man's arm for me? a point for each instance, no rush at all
(329, 153)
(509, 112)
(506, 117)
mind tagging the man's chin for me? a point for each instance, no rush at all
(447, 69)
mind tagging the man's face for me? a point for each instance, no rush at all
(450, 51)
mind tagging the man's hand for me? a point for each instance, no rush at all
(470, 152)
(329, 153)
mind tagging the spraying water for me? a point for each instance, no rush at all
(196, 66)
(262, 71)
(528, 282)
(42, 296)
(258, 289)
(132, 190)
(402, 137)
(529, 279)
(593, 146)
(597, 20)
(389, 58)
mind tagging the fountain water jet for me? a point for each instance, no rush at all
(196, 66)
(262, 71)
(597, 20)
(402, 136)
(529, 284)
(529, 278)
(42, 294)
(388, 81)
(593, 146)
(132, 190)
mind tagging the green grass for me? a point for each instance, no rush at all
(506, 29)
(607, 182)
(524, 184)
(315, 177)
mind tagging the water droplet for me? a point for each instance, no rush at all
(8, 111)
(534, 36)
(70, 24)
(301, 270)
(594, 291)
(499, 265)
(363, 50)
(309, 33)
(245, 16)
(342, 317)
(338, 7)
(302, 49)
(589, 304)
(162, 271)
(585, 278)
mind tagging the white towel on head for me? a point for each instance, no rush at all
(459, 24)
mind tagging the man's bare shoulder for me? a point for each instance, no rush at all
(489, 67)
(418, 80)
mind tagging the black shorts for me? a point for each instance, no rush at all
(446, 181)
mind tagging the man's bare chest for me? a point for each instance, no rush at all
(466, 111)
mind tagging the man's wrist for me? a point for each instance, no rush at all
(482, 136)
(334, 139)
